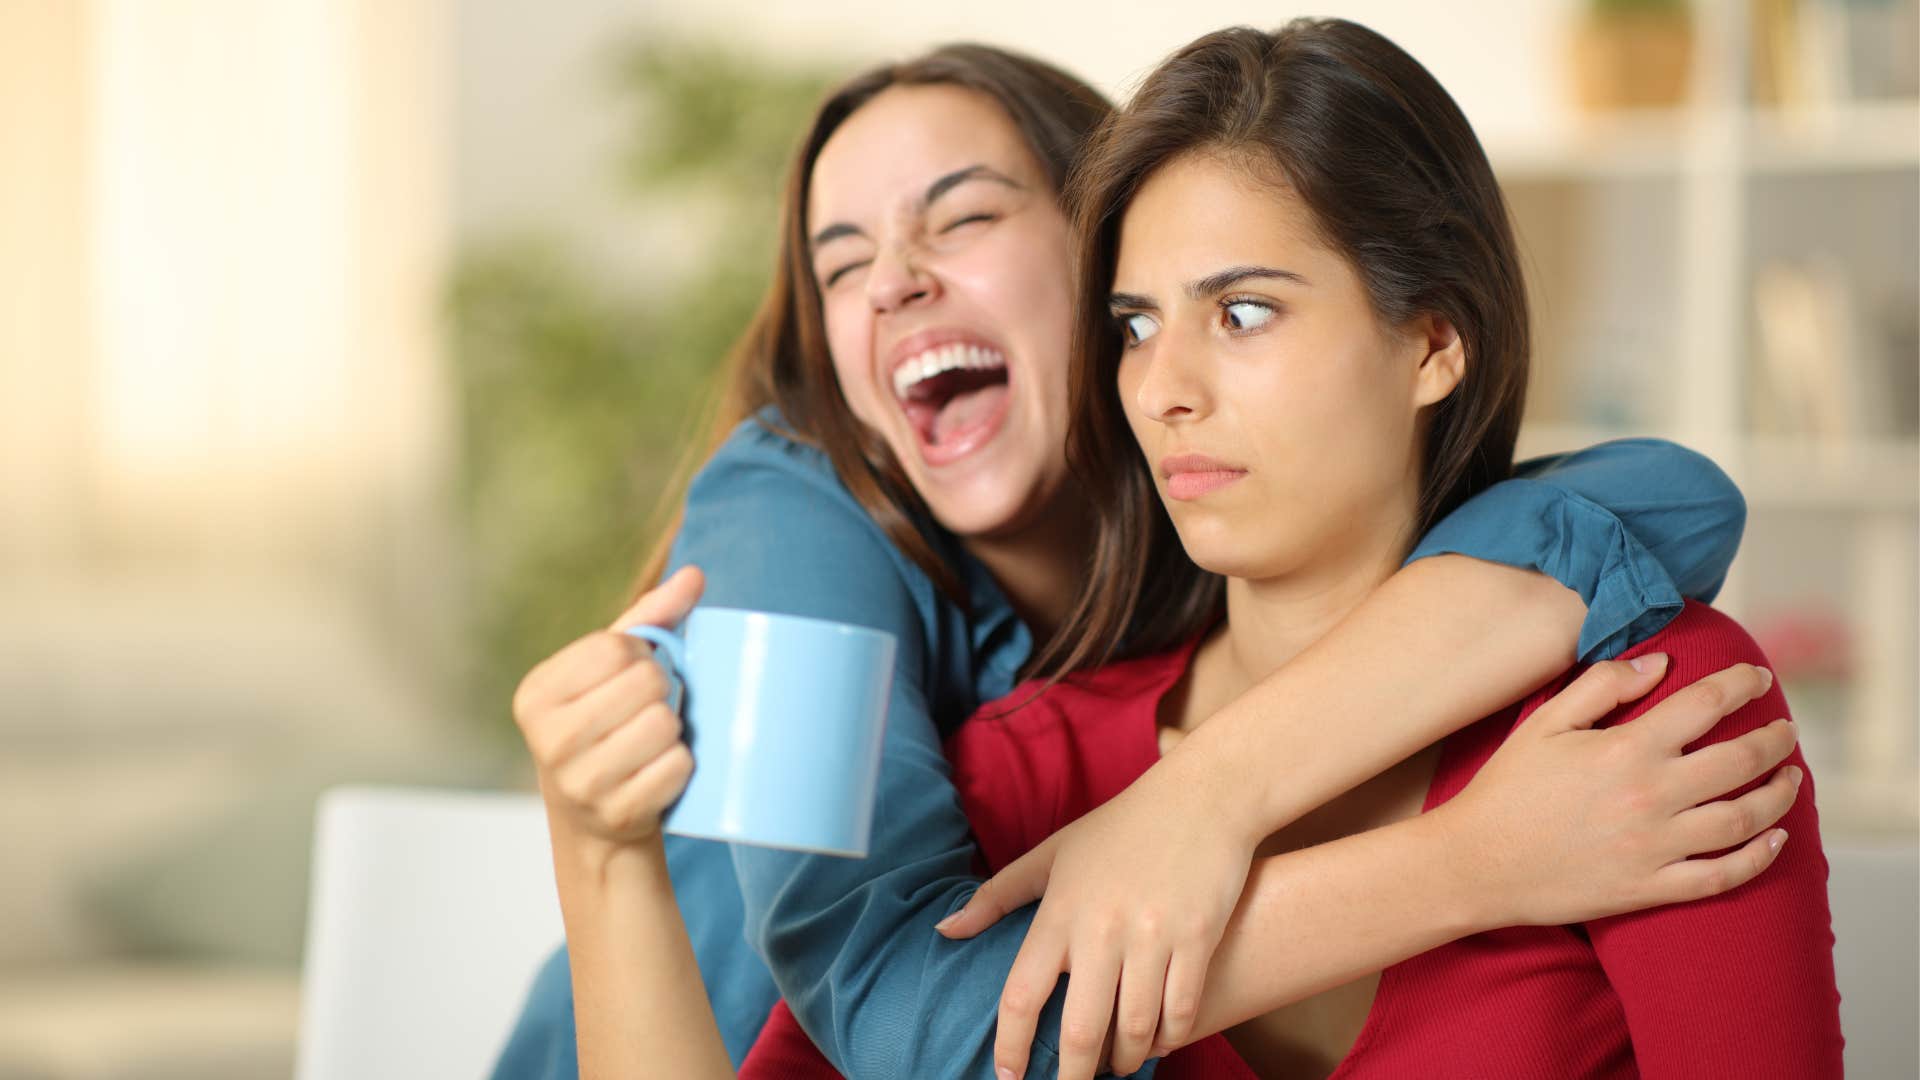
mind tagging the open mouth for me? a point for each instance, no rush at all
(954, 395)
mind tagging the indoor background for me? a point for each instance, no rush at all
(345, 346)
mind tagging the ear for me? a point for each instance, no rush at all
(1444, 363)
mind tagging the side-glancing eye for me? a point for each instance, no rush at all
(970, 219)
(836, 275)
(1137, 327)
(1247, 314)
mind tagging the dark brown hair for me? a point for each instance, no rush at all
(1395, 180)
(782, 359)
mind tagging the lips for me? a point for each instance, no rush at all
(1190, 476)
(953, 387)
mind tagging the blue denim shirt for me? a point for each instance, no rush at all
(1633, 526)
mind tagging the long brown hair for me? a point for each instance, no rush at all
(782, 359)
(1395, 180)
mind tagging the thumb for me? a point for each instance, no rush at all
(667, 603)
(1598, 691)
(1018, 884)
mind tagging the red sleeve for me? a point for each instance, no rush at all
(1740, 985)
(783, 1052)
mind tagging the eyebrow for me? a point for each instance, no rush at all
(960, 176)
(934, 191)
(1212, 285)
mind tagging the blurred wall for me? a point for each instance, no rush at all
(230, 567)
(224, 427)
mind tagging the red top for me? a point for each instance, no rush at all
(1740, 985)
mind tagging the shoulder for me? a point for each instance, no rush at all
(1700, 641)
(761, 452)
(774, 529)
(1702, 638)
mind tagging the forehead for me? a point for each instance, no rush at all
(905, 138)
(1201, 212)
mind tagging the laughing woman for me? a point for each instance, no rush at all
(894, 457)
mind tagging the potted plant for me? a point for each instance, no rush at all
(1632, 54)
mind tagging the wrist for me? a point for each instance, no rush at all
(585, 858)
(1229, 793)
(1237, 753)
(1466, 898)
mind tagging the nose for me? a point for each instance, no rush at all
(1173, 387)
(896, 280)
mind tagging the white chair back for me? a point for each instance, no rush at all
(430, 913)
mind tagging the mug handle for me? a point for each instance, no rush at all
(670, 643)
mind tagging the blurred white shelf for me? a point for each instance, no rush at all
(1774, 471)
(1537, 439)
(1638, 143)
(1857, 136)
(1666, 143)
(1874, 475)
(1778, 469)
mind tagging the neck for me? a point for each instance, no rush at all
(1039, 566)
(1271, 620)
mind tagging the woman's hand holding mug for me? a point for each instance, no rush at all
(605, 738)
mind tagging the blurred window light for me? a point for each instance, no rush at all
(267, 218)
(223, 244)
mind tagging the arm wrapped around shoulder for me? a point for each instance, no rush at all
(1740, 984)
(1634, 526)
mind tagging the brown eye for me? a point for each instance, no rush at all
(1247, 314)
(1136, 328)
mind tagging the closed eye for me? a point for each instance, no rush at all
(970, 219)
(843, 272)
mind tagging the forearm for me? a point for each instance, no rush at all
(1314, 919)
(853, 945)
(1443, 643)
(640, 1007)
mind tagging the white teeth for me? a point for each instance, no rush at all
(939, 361)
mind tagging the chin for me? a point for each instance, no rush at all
(972, 512)
(992, 511)
(1228, 552)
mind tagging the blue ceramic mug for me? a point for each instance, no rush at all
(785, 716)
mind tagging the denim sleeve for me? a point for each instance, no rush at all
(1634, 526)
(850, 942)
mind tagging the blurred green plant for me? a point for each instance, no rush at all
(577, 401)
(1605, 8)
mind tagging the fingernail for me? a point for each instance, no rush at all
(943, 924)
(1650, 662)
(1766, 679)
(1796, 774)
(1779, 837)
(1003, 1073)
